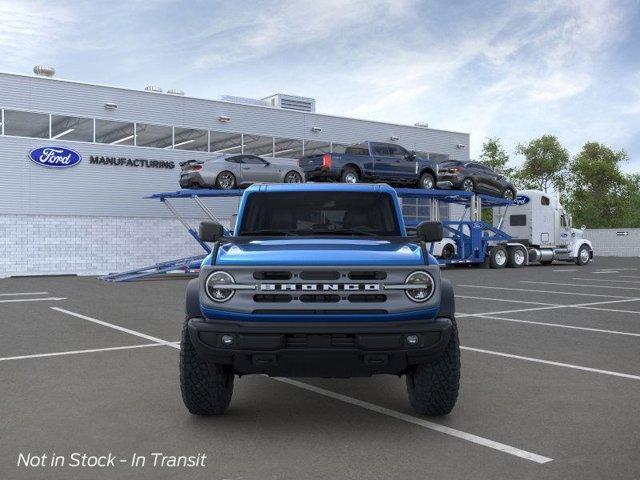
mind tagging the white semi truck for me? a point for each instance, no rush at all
(540, 223)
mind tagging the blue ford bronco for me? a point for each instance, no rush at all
(319, 280)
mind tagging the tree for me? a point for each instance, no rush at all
(545, 164)
(600, 193)
(495, 156)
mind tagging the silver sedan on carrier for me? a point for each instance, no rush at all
(234, 171)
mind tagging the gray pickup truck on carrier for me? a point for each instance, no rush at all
(319, 280)
(372, 162)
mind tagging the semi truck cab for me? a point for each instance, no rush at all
(540, 222)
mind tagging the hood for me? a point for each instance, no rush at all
(329, 251)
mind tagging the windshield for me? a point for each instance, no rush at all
(319, 213)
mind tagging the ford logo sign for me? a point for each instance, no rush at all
(55, 157)
(521, 200)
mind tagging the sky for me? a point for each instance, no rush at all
(513, 70)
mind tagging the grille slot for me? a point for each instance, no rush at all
(272, 298)
(320, 341)
(272, 275)
(367, 275)
(319, 298)
(343, 341)
(319, 311)
(363, 298)
(320, 275)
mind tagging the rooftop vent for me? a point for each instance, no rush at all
(175, 91)
(292, 102)
(44, 71)
(422, 124)
(153, 88)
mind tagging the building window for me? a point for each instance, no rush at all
(287, 148)
(114, 133)
(224, 142)
(72, 128)
(190, 139)
(258, 145)
(312, 147)
(26, 124)
(158, 136)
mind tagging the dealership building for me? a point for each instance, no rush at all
(93, 218)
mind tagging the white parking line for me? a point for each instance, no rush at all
(528, 290)
(115, 327)
(566, 270)
(581, 285)
(47, 299)
(605, 280)
(629, 276)
(588, 306)
(505, 300)
(559, 325)
(485, 442)
(22, 293)
(369, 406)
(75, 352)
(555, 364)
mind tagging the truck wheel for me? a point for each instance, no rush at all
(448, 251)
(516, 257)
(427, 181)
(583, 255)
(206, 388)
(498, 257)
(349, 175)
(433, 387)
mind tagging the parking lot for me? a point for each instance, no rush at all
(550, 387)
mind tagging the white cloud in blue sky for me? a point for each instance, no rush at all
(514, 70)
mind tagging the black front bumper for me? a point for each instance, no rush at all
(331, 349)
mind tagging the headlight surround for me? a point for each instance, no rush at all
(426, 289)
(218, 294)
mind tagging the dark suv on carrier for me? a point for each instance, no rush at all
(475, 177)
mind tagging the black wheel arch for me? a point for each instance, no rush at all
(355, 167)
(192, 303)
(447, 300)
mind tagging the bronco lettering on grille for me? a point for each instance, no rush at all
(324, 287)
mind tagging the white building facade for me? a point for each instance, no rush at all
(92, 218)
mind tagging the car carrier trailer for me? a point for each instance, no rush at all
(469, 241)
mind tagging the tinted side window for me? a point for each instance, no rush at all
(253, 160)
(544, 200)
(233, 159)
(381, 150)
(518, 220)
(356, 151)
(397, 151)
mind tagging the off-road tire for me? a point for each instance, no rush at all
(349, 171)
(433, 387)
(206, 388)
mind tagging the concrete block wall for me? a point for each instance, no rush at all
(50, 245)
(613, 241)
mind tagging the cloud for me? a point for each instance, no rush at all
(27, 27)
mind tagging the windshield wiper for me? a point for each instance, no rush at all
(265, 231)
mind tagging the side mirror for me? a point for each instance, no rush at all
(210, 231)
(430, 232)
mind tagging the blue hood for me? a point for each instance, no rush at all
(320, 252)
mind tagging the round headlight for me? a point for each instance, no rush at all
(215, 286)
(425, 286)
